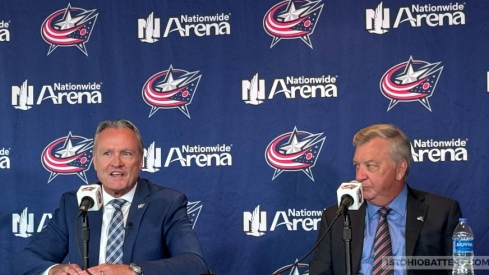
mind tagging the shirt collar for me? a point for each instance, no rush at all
(398, 205)
(128, 196)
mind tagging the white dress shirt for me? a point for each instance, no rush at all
(108, 213)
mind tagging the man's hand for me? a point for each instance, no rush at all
(110, 269)
(66, 269)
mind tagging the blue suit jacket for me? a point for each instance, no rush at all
(160, 240)
(430, 235)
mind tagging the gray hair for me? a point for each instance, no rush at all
(399, 145)
(118, 123)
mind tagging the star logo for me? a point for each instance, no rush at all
(68, 155)
(173, 88)
(413, 80)
(295, 269)
(292, 19)
(69, 27)
(294, 151)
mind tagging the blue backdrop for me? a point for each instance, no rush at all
(248, 107)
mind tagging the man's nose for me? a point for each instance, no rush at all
(116, 161)
(360, 174)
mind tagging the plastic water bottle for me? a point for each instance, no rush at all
(463, 249)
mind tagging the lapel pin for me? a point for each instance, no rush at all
(142, 205)
(420, 218)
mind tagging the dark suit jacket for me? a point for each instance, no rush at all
(430, 237)
(160, 240)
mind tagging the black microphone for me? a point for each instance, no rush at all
(128, 226)
(345, 203)
(86, 203)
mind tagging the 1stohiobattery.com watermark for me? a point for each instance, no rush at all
(430, 262)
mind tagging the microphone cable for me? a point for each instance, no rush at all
(285, 268)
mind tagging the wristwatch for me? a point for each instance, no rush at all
(136, 268)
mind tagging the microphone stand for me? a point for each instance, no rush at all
(347, 239)
(85, 236)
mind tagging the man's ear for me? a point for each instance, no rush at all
(401, 169)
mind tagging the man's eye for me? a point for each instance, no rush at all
(372, 168)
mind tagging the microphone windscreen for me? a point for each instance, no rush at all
(354, 189)
(93, 191)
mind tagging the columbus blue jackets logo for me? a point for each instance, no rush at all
(69, 27)
(68, 155)
(296, 269)
(173, 88)
(413, 80)
(292, 19)
(294, 151)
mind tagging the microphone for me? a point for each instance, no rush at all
(128, 226)
(89, 198)
(350, 196)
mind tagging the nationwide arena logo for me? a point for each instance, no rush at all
(58, 93)
(4, 32)
(432, 150)
(5, 158)
(417, 15)
(292, 19)
(173, 88)
(255, 223)
(67, 156)
(69, 27)
(201, 156)
(253, 91)
(149, 28)
(294, 151)
(413, 80)
(152, 159)
(187, 156)
(23, 225)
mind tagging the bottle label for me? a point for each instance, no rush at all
(463, 246)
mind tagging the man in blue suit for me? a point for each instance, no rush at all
(419, 223)
(157, 235)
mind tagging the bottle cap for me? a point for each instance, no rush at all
(462, 219)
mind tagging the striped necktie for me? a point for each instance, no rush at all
(115, 238)
(382, 244)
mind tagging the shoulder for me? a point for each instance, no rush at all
(158, 191)
(69, 199)
(430, 198)
(439, 205)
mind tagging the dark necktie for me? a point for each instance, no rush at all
(382, 244)
(115, 238)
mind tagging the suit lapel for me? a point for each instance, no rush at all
(416, 214)
(136, 212)
(357, 224)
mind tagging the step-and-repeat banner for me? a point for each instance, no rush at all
(248, 107)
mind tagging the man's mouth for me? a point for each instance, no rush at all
(116, 174)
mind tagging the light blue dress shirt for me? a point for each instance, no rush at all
(397, 230)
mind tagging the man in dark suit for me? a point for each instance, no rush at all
(157, 237)
(418, 223)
